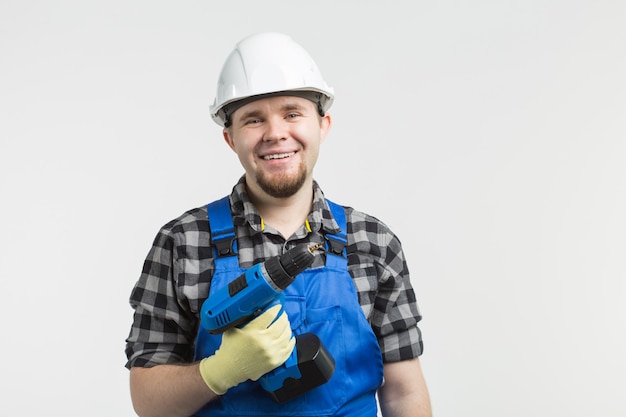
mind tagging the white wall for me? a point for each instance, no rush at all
(491, 133)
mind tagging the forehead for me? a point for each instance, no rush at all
(275, 103)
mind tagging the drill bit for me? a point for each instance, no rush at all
(315, 247)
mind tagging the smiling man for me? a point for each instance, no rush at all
(356, 297)
(277, 140)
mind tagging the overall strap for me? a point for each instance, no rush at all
(223, 236)
(336, 243)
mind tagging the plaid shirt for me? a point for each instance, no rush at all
(177, 274)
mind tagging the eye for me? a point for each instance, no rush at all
(292, 115)
(252, 121)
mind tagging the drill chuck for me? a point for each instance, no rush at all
(282, 270)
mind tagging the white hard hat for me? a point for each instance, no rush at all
(268, 64)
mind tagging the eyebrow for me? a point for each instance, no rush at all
(248, 114)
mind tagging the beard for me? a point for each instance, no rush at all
(282, 185)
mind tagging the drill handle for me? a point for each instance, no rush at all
(280, 299)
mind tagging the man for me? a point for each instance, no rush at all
(356, 297)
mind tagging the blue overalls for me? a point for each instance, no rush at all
(322, 301)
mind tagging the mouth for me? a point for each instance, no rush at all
(278, 156)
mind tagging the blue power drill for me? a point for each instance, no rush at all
(247, 296)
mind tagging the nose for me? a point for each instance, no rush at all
(276, 129)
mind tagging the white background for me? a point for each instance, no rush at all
(489, 135)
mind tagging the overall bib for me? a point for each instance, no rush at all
(322, 301)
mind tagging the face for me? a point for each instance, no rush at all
(277, 140)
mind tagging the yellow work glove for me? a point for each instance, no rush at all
(250, 352)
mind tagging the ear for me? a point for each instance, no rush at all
(228, 139)
(325, 124)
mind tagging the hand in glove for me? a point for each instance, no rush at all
(249, 352)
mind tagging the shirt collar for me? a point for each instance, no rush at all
(320, 218)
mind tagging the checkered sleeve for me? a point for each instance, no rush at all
(163, 330)
(381, 275)
(400, 336)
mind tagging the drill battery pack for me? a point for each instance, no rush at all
(315, 365)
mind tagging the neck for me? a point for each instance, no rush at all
(284, 214)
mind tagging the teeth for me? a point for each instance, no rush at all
(278, 156)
